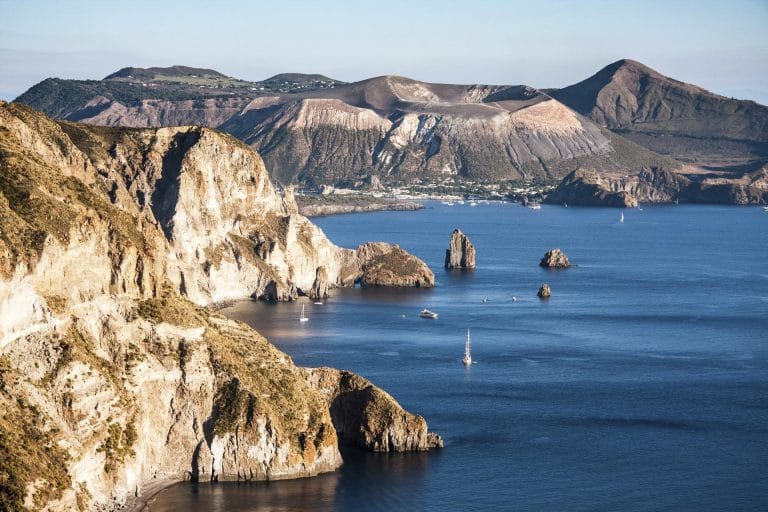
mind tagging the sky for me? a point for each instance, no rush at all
(719, 45)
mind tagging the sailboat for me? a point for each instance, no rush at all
(621, 220)
(303, 317)
(467, 354)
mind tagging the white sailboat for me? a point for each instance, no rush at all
(467, 352)
(621, 220)
(303, 317)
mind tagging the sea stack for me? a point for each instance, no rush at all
(544, 292)
(555, 259)
(460, 252)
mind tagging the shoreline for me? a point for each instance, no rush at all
(141, 502)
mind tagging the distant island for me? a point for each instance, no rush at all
(625, 135)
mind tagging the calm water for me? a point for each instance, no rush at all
(641, 385)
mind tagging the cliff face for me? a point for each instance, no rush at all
(658, 185)
(368, 417)
(112, 379)
(589, 188)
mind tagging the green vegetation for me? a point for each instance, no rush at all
(173, 309)
(131, 86)
(117, 445)
(28, 454)
(38, 201)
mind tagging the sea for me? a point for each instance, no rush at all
(640, 385)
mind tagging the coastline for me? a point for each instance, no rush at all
(318, 206)
(149, 492)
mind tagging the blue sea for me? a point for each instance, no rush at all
(641, 385)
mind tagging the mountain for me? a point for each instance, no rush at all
(155, 97)
(114, 377)
(150, 74)
(671, 117)
(314, 130)
(402, 130)
(624, 120)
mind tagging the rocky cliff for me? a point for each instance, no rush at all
(368, 417)
(460, 252)
(589, 188)
(113, 377)
(658, 185)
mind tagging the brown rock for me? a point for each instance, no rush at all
(460, 252)
(366, 416)
(555, 259)
(385, 265)
(544, 292)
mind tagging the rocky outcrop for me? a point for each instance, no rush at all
(386, 265)
(113, 377)
(659, 185)
(460, 252)
(320, 286)
(588, 188)
(544, 292)
(368, 417)
(555, 259)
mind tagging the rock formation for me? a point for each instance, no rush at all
(544, 292)
(368, 417)
(555, 259)
(460, 252)
(112, 375)
(658, 185)
(385, 265)
(588, 188)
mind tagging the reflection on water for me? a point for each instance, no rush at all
(355, 486)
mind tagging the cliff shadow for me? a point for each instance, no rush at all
(165, 195)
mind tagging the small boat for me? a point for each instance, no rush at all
(318, 303)
(621, 220)
(303, 317)
(765, 208)
(425, 313)
(467, 352)
(534, 206)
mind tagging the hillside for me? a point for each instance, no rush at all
(154, 97)
(401, 130)
(114, 377)
(671, 117)
(313, 130)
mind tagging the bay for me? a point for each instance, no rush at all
(642, 384)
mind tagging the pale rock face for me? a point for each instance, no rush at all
(460, 252)
(135, 386)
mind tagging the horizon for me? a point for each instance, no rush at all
(719, 47)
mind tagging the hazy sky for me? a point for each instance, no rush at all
(720, 45)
